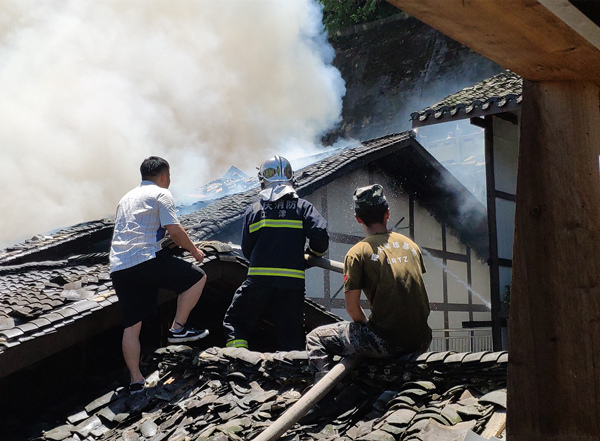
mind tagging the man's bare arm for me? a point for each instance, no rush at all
(353, 307)
(181, 238)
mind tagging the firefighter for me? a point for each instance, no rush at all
(274, 234)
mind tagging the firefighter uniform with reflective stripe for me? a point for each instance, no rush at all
(273, 239)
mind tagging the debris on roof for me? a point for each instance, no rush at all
(234, 394)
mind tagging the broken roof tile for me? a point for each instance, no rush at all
(229, 394)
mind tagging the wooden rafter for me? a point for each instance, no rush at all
(521, 35)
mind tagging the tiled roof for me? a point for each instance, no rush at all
(204, 223)
(500, 93)
(234, 394)
(56, 245)
(41, 290)
(39, 298)
(418, 172)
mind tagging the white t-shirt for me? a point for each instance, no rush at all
(139, 225)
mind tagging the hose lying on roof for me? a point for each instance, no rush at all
(304, 404)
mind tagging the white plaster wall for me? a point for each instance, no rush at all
(482, 317)
(480, 281)
(506, 159)
(340, 219)
(433, 278)
(506, 155)
(340, 205)
(314, 278)
(458, 291)
(455, 320)
(316, 198)
(453, 244)
(398, 202)
(436, 320)
(428, 232)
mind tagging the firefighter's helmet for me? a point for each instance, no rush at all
(275, 170)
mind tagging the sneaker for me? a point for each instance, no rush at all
(136, 388)
(186, 334)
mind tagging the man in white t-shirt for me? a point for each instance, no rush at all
(138, 270)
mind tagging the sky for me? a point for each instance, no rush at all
(88, 89)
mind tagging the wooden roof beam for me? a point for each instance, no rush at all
(521, 35)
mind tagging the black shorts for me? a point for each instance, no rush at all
(137, 287)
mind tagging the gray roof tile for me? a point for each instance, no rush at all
(491, 95)
(474, 357)
(10, 334)
(456, 358)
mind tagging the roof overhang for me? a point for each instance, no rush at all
(466, 114)
(541, 40)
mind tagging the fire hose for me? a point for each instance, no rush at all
(320, 389)
(304, 404)
(321, 262)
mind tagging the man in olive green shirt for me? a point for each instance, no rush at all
(388, 268)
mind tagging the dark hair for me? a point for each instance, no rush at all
(152, 167)
(372, 214)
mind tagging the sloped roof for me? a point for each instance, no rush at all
(39, 298)
(57, 245)
(500, 93)
(401, 156)
(41, 295)
(234, 394)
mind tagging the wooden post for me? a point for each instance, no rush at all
(554, 348)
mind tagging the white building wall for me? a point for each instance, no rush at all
(506, 158)
(506, 155)
(428, 231)
(334, 201)
(480, 284)
(433, 278)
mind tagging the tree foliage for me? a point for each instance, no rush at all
(339, 14)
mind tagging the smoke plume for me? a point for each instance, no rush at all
(88, 89)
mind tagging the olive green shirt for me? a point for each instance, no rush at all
(388, 268)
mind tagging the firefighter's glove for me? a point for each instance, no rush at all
(308, 253)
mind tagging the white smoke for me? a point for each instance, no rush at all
(88, 89)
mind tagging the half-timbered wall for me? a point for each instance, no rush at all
(457, 280)
(502, 151)
(506, 155)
